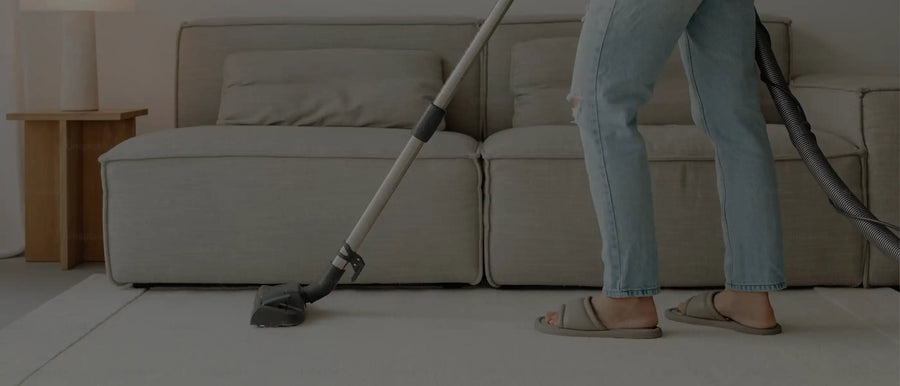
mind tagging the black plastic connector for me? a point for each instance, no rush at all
(429, 123)
(355, 260)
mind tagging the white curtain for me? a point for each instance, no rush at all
(12, 227)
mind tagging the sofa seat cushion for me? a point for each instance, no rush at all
(248, 205)
(541, 227)
(286, 141)
(664, 142)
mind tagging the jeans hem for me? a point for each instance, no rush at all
(756, 287)
(630, 293)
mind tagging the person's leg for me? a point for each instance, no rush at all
(622, 49)
(718, 51)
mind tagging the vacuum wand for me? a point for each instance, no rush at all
(285, 305)
(426, 126)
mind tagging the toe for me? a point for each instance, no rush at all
(681, 307)
(551, 318)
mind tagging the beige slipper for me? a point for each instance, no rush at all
(578, 319)
(700, 310)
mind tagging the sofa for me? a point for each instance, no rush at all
(263, 174)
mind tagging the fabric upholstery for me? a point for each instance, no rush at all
(273, 204)
(540, 226)
(864, 110)
(204, 45)
(329, 87)
(664, 143)
(283, 141)
(540, 75)
(669, 105)
(225, 204)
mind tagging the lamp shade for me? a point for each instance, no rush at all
(77, 5)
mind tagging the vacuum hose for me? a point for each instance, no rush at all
(804, 140)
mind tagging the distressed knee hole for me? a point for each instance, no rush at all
(575, 101)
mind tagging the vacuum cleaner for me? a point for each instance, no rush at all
(285, 305)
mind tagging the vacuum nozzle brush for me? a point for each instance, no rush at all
(278, 306)
(284, 305)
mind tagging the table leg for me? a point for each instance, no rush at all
(97, 138)
(42, 190)
(70, 185)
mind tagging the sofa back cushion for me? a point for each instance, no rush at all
(540, 74)
(530, 63)
(355, 87)
(203, 46)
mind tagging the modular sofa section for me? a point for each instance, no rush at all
(865, 110)
(274, 204)
(541, 227)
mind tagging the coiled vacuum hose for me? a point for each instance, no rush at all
(804, 140)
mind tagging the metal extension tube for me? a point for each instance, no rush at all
(426, 126)
(415, 144)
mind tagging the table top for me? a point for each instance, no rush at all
(59, 115)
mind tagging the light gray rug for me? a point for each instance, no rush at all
(24, 286)
(98, 334)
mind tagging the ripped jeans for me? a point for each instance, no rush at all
(622, 49)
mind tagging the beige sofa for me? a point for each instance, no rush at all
(500, 196)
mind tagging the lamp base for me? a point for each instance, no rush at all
(78, 81)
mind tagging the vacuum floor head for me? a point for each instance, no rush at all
(278, 306)
(284, 305)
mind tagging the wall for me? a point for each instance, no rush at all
(136, 51)
(12, 233)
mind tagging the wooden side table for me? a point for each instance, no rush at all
(63, 195)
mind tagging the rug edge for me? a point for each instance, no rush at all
(30, 342)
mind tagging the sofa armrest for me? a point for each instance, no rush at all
(864, 109)
(849, 105)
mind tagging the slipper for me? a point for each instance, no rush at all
(578, 319)
(700, 310)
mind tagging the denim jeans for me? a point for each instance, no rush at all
(622, 49)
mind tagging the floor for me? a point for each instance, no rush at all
(25, 286)
(833, 336)
(473, 336)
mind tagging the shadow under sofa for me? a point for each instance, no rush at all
(499, 195)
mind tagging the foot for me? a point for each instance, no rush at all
(751, 309)
(616, 313)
